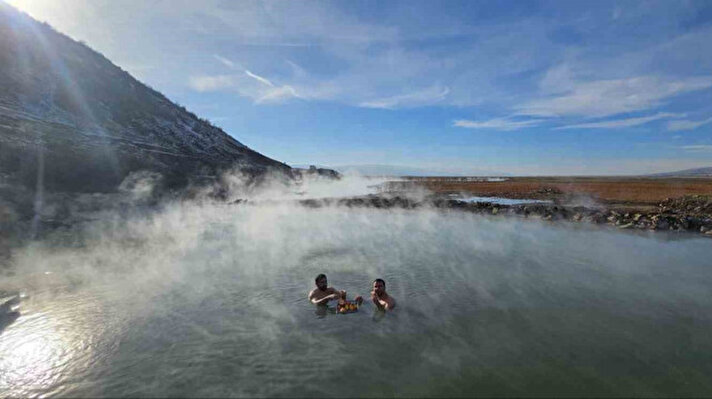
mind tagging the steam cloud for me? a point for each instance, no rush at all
(197, 283)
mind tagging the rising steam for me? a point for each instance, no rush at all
(215, 293)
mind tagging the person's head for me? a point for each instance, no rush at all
(379, 286)
(320, 281)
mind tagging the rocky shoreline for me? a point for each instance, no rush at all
(692, 214)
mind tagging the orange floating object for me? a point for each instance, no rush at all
(347, 307)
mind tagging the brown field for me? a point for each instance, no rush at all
(607, 190)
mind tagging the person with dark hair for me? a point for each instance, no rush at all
(322, 294)
(380, 297)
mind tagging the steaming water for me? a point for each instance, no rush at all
(211, 301)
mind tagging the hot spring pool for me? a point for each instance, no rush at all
(211, 301)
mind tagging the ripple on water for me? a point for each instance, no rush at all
(484, 306)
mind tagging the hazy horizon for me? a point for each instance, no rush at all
(411, 170)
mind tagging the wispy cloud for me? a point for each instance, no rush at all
(496, 124)
(211, 83)
(259, 78)
(697, 148)
(224, 61)
(224, 82)
(675, 126)
(610, 97)
(620, 123)
(277, 94)
(428, 96)
(261, 90)
(297, 70)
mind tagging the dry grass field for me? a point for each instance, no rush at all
(606, 190)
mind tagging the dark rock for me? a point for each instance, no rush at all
(314, 171)
(677, 221)
(548, 190)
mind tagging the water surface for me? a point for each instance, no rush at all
(504, 201)
(211, 301)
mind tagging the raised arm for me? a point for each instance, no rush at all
(383, 304)
(380, 304)
(332, 295)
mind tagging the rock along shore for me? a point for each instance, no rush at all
(687, 214)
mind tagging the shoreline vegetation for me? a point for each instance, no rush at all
(611, 191)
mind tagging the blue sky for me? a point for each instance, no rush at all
(528, 87)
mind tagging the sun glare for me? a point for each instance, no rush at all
(41, 10)
(23, 5)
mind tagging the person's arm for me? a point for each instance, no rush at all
(383, 304)
(377, 301)
(324, 300)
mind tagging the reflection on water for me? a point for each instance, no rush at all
(211, 301)
(47, 344)
(503, 201)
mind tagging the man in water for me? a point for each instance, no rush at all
(380, 297)
(322, 294)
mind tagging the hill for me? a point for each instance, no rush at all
(696, 172)
(73, 121)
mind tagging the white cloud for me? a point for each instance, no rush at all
(619, 123)
(609, 97)
(675, 126)
(496, 124)
(297, 70)
(224, 61)
(261, 90)
(277, 94)
(259, 78)
(429, 96)
(557, 80)
(697, 148)
(211, 83)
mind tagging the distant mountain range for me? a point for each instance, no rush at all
(71, 120)
(696, 172)
(398, 170)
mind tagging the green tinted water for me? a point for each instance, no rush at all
(211, 301)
